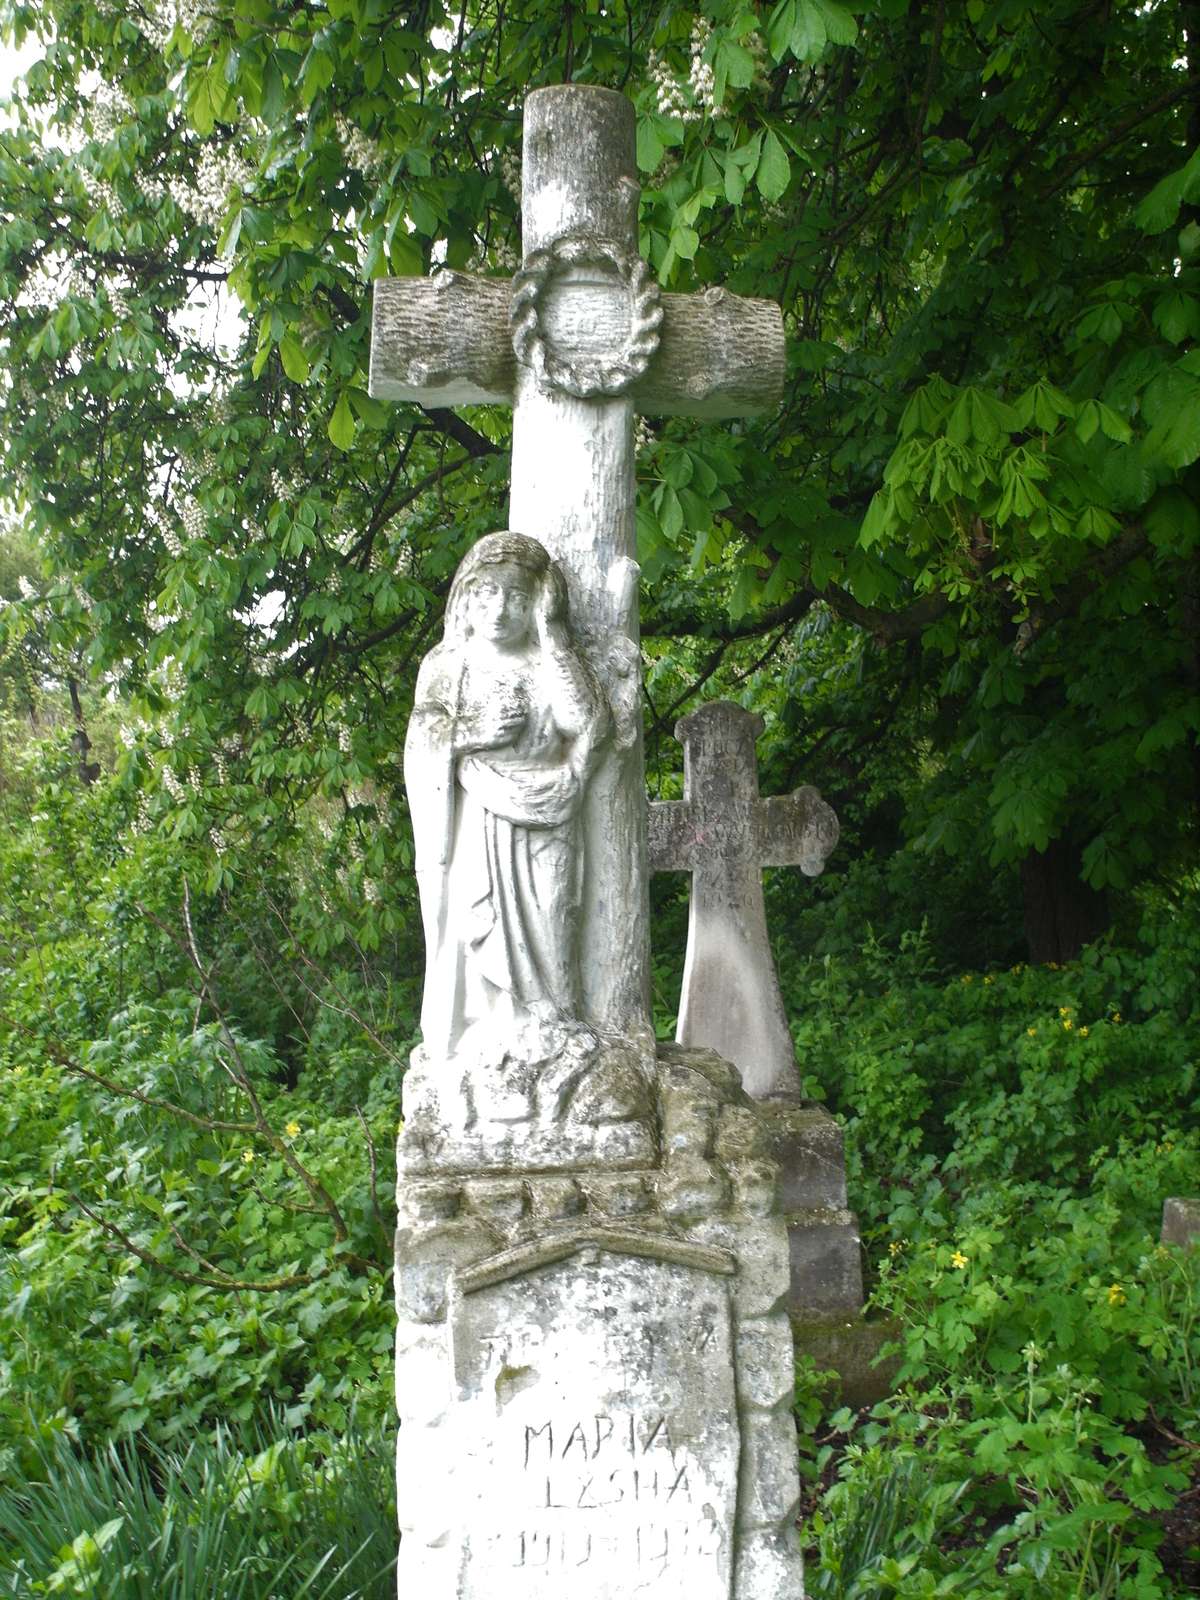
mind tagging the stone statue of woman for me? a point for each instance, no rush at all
(504, 732)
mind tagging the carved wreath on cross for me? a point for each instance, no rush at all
(591, 375)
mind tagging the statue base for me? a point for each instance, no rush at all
(595, 1367)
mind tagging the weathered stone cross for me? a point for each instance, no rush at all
(723, 833)
(577, 342)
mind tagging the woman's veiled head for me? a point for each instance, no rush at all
(500, 584)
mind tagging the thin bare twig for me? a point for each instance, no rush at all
(209, 1124)
(383, 1227)
(212, 1280)
(238, 1075)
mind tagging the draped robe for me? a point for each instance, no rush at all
(499, 859)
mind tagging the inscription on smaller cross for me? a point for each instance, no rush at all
(724, 833)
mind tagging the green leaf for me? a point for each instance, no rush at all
(1042, 406)
(200, 107)
(650, 148)
(367, 409)
(779, 28)
(1160, 208)
(809, 34)
(878, 520)
(840, 25)
(317, 74)
(1175, 437)
(685, 242)
(774, 169)
(1172, 520)
(295, 362)
(342, 426)
(1177, 316)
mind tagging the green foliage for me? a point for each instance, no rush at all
(244, 1515)
(977, 221)
(956, 572)
(195, 1153)
(1011, 1137)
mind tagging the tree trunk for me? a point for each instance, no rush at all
(1062, 912)
(89, 771)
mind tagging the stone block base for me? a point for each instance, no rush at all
(1181, 1221)
(595, 1366)
(849, 1347)
(824, 1246)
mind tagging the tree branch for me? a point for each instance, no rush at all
(1127, 125)
(451, 424)
(207, 1124)
(211, 1280)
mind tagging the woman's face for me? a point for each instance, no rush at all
(500, 605)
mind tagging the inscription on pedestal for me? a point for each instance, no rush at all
(597, 1401)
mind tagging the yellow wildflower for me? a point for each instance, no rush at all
(1068, 1024)
(247, 1157)
(1083, 1033)
(292, 1130)
(1032, 1032)
(990, 978)
(1116, 1016)
(1116, 1295)
(1053, 966)
(958, 1260)
(1064, 1011)
(968, 977)
(895, 1247)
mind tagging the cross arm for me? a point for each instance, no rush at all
(669, 840)
(442, 340)
(798, 830)
(445, 341)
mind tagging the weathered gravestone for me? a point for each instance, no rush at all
(1181, 1221)
(594, 1361)
(723, 832)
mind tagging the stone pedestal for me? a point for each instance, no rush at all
(1181, 1221)
(595, 1363)
(823, 1243)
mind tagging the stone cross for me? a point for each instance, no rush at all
(723, 833)
(576, 343)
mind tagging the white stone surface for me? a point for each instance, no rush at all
(723, 833)
(595, 1367)
(506, 731)
(599, 1434)
(590, 1261)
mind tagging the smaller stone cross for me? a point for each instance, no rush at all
(724, 833)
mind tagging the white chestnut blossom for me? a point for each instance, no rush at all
(218, 174)
(158, 18)
(668, 92)
(361, 152)
(109, 111)
(700, 77)
(510, 173)
(195, 522)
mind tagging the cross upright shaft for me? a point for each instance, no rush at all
(591, 342)
(574, 488)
